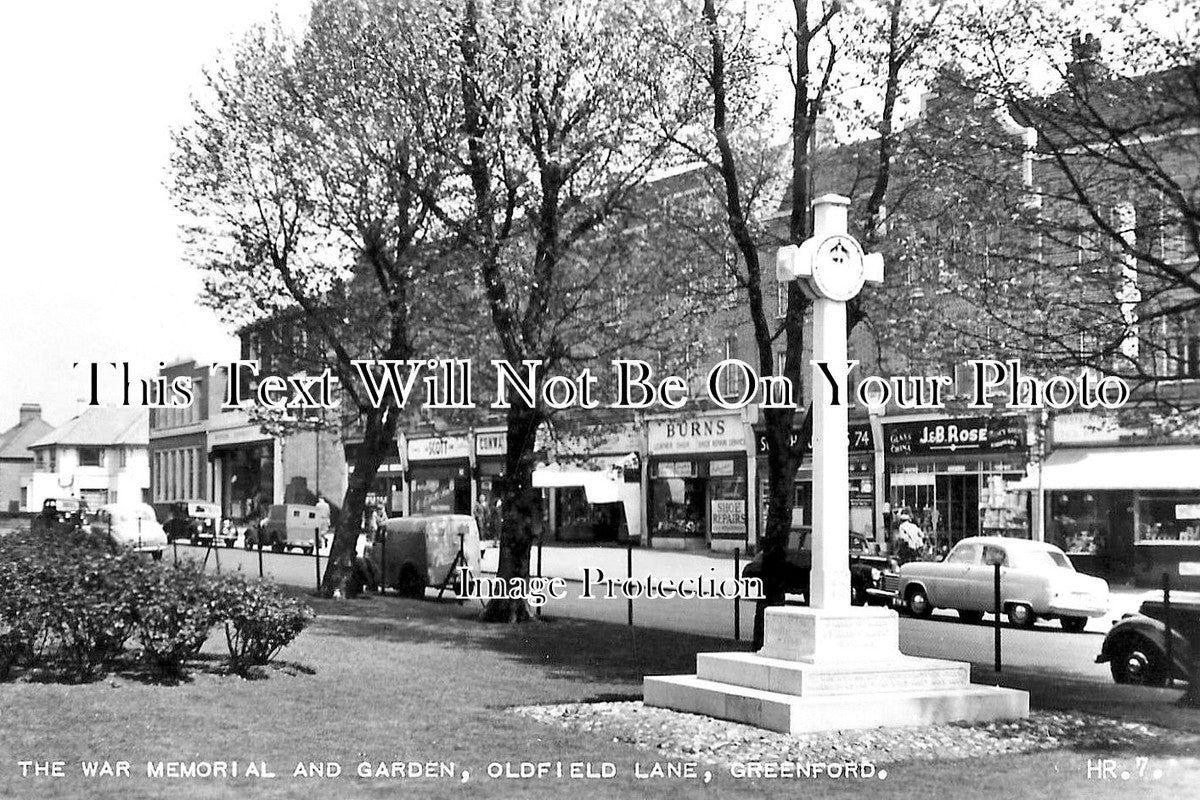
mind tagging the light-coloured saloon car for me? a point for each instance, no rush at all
(1036, 580)
(132, 526)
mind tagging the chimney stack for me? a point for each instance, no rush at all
(30, 412)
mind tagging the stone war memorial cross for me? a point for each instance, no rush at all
(831, 666)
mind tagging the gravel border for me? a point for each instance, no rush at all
(676, 735)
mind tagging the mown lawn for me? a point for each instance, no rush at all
(382, 680)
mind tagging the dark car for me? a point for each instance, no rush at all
(198, 521)
(873, 577)
(1136, 646)
(60, 515)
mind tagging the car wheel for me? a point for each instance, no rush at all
(307, 550)
(917, 602)
(970, 616)
(231, 543)
(1138, 661)
(246, 543)
(1021, 615)
(409, 582)
(1073, 624)
(277, 547)
(156, 555)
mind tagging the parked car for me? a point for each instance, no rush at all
(195, 520)
(1036, 580)
(872, 576)
(60, 514)
(1136, 646)
(131, 526)
(410, 553)
(288, 526)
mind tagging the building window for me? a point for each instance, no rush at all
(732, 380)
(91, 457)
(123, 457)
(53, 453)
(780, 300)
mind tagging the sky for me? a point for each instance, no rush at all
(91, 263)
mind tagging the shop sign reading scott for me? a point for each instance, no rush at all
(697, 434)
(429, 449)
(972, 434)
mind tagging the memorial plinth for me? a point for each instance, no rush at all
(838, 669)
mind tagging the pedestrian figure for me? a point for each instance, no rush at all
(910, 539)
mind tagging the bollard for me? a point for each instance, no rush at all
(381, 535)
(1170, 645)
(629, 570)
(317, 554)
(217, 555)
(538, 610)
(737, 601)
(260, 569)
(996, 611)
(175, 548)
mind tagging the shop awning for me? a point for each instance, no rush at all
(599, 487)
(1115, 468)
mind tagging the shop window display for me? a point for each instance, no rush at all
(1078, 522)
(1168, 517)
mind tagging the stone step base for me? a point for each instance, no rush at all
(787, 713)
(901, 673)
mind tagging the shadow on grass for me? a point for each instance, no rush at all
(571, 648)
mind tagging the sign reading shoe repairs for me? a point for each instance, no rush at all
(706, 434)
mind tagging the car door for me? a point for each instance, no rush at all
(950, 588)
(982, 581)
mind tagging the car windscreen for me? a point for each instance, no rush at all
(133, 514)
(1039, 560)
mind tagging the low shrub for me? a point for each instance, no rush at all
(175, 608)
(96, 613)
(70, 605)
(259, 621)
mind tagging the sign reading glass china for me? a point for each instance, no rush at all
(429, 449)
(697, 434)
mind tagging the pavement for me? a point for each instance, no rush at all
(569, 561)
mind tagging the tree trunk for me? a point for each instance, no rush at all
(783, 459)
(378, 437)
(520, 513)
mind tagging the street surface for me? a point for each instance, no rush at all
(1047, 647)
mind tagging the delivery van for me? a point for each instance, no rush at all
(410, 553)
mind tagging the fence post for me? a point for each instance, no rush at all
(538, 610)
(1170, 645)
(381, 536)
(317, 553)
(175, 549)
(217, 555)
(996, 611)
(259, 538)
(629, 571)
(737, 601)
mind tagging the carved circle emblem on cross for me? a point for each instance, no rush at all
(831, 261)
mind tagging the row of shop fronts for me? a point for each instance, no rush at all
(700, 482)
(1122, 507)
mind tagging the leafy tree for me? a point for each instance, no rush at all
(304, 174)
(567, 114)
(832, 55)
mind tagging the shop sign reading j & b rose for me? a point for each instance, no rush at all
(973, 434)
